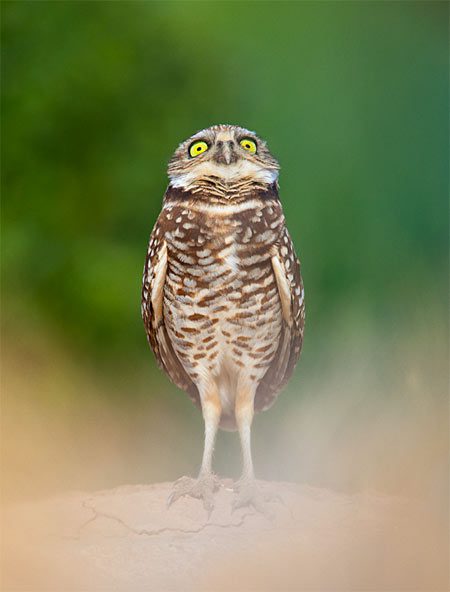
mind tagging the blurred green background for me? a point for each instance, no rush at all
(352, 99)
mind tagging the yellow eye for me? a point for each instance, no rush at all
(248, 145)
(197, 148)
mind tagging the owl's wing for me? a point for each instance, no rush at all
(155, 270)
(286, 268)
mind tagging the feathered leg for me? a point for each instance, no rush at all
(248, 493)
(207, 483)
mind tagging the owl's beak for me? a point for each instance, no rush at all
(225, 152)
(228, 152)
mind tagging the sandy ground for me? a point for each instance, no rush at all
(127, 539)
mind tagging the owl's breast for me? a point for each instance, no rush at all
(221, 303)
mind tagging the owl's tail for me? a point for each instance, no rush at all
(228, 423)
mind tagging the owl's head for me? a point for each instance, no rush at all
(226, 152)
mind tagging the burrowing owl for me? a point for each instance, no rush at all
(222, 297)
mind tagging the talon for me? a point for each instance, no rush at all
(248, 494)
(172, 498)
(202, 488)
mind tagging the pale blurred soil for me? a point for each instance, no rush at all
(126, 539)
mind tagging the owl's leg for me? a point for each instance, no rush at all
(244, 411)
(207, 483)
(248, 493)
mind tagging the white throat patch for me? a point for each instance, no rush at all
(227, 172)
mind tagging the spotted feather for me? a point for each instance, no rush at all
(291, 338)
(154, 278)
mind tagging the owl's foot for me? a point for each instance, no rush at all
(249, 494)
(202, 488)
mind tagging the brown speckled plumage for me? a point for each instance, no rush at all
(222, 298)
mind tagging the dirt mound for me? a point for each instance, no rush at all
(127, 539)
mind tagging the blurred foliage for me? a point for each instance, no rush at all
(352, 98)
